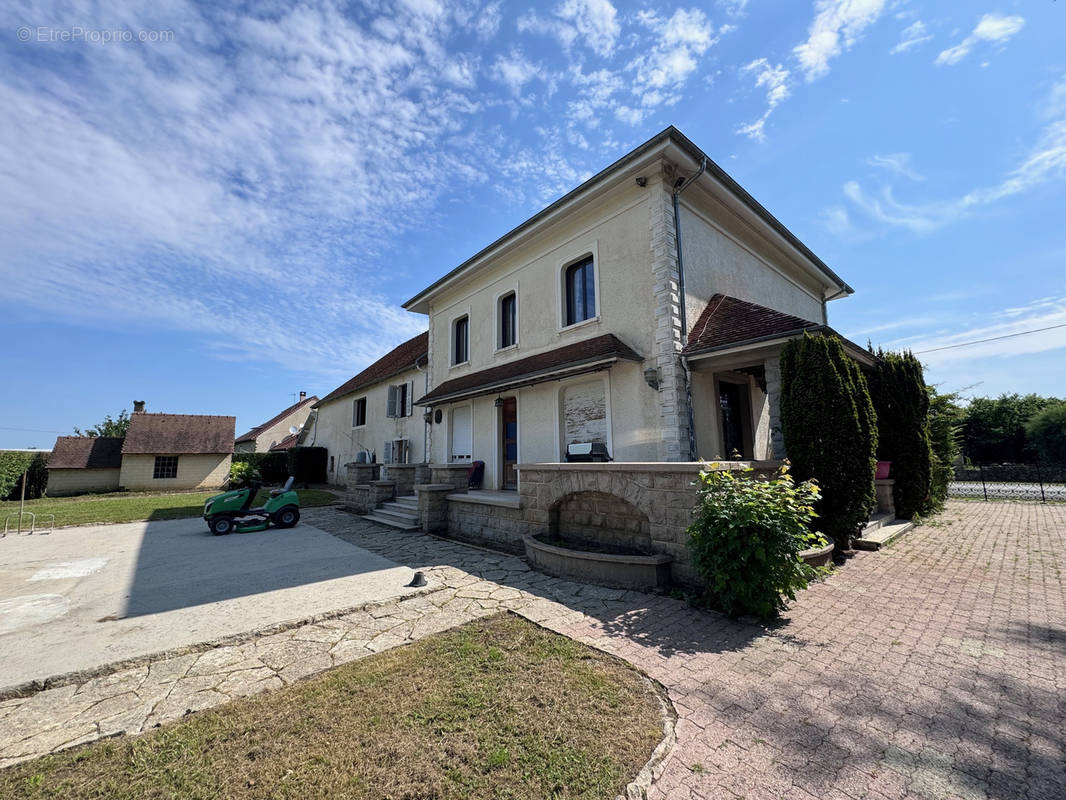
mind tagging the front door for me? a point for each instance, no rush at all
(509, 443)
(732, 424)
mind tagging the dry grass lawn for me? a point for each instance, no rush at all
(497, 708)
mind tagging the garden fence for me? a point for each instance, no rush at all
(1033, 481)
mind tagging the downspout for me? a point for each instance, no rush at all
(679, 187)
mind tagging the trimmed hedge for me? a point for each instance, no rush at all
(13, 464)
(306, 464)
(830, 431)
(897, 387)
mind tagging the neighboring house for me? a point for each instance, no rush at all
(375, 411)
(273, 432)
(582, 325)
(81, 464)
(159, 451)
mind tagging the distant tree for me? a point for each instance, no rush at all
(994, 430)
(1046, 431)
(109, 427)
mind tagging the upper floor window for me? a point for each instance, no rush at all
(400, 400)
(580, 286)
(359, 413)
(508, 319)
(461, 340)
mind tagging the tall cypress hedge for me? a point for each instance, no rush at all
(830, 431)
(897, 386)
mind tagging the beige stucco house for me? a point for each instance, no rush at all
(276, 433)
(159, 452)
(374, 412)
(645, 310)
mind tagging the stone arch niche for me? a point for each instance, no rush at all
(595, 517)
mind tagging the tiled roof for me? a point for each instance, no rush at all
(728, 321)
(286, 443)
(179, 433)
(534, 369)
(86, 452)
(254, 432)
(398, 360)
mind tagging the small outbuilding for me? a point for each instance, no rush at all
(81, 464)
(177, 451)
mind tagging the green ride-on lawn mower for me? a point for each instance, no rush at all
(231, 511)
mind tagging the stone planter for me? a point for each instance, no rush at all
(604, 569)
(817, 556)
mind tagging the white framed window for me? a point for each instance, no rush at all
(507, 320)
(359, 412)
(578, 283)
(461, 340)
(400, 402)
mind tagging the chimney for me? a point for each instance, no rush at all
(303, 396)
(138, 406)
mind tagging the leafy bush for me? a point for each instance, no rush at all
(994, 430)
(273, 467)
(897, 388)
(1047, 433)
(830, 431)
(242, 473)
(13, 464)
(746, 538)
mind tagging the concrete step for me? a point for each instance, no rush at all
(408, 501)
(392, 522)
(877, 519)
(399, 513)
(883, 534)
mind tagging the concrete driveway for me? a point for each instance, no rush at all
(83, 597)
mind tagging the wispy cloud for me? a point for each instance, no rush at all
(994, 28)
(1045, 162)
(774, 78)
(514, 71)
(837, 25)
(913, 35)
(592, 22)
(898, 163)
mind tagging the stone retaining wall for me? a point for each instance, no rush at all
(495, 526)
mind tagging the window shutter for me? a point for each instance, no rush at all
(355, 413)
(410, 399)
(391, 409)
(387, 450)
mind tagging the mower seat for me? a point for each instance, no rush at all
(285, 488)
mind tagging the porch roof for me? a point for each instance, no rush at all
(588, 355)
(728, 322)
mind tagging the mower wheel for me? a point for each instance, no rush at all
(220, 526)
(287, 517)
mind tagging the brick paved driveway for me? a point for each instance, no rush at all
(933, 669)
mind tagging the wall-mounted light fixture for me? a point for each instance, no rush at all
(651, 377)
(499, 402)
(427, 415)
(642, 181)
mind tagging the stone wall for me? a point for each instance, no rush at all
(664, 493)
(603, 518)
(499, 527)
(406, 476)
(195, 471)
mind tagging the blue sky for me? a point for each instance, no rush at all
(232, 209)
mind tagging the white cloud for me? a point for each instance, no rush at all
(899, 163)
(835, 28)
(514, 71)
(661, 73)
(913, 35)
(594, 22)
(775, 80)
(993, 28)
(1045, 162)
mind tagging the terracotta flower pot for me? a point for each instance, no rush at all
(883, 468)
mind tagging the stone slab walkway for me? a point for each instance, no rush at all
(935, 668)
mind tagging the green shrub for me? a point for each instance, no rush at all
(308, 464)
(13, 464)
(830, 431)
(994, 428)
(945, 421)
(1047, 434)
(273, 467)
(897, 388)
(746, 538)
(242, 473)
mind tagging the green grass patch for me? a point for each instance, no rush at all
(100, 509)
(497, 708)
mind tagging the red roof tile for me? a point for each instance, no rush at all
(86, 452)
(398, 360)
(179, 433)
(728, 321)
(533, 369)
(254, 432)
(286, 443)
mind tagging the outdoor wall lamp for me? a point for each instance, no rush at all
(651, 377)
(499, 402)
(427, 415)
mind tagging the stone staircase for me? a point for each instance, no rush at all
(882, 528)
(400, 513)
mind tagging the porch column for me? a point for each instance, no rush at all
(772, 368)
